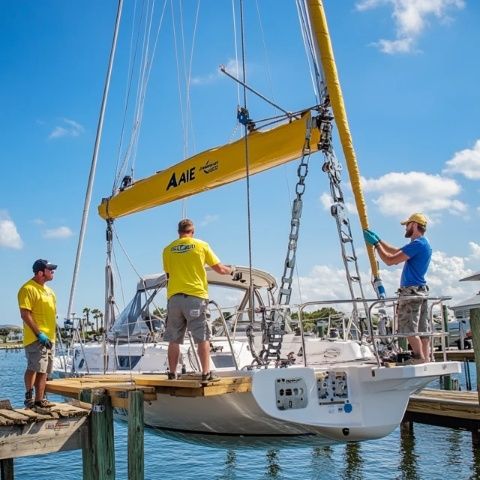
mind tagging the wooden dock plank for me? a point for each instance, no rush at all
(445, 407)
(187, 386)
(37, 431)
(456, 355)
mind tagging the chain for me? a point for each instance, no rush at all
(285, 291)
(273, 325)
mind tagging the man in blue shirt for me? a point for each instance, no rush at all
(412, 312)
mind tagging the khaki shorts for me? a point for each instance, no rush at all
(186, 311)
(412, 313)
(39, 357)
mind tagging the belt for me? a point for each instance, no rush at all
(422, 288)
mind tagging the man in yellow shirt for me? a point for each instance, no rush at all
(184, 263)
(38, 309)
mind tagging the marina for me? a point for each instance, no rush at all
(67, 427)
(385, 458)
(298, 358)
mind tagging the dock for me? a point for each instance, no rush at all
(445, 408)
(87, 421)
(26, 432)
(456, 355)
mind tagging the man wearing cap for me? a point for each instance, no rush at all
(412, 312)
(38, 309)
(184, 263)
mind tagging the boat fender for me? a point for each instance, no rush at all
(346, 431)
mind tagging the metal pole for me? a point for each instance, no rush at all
(93, 166)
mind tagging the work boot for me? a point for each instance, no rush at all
(29, 402)
(209, 377)
(44, 403)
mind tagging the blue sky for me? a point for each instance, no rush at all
(409, 70)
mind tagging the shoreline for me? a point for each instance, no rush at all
(9, 346)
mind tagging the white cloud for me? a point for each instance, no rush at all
(9, 236)
(232, 67)
(411, 18)
(403, 193)
(327, 283)
(69, 128)
(208, 219)
(444, 274)
(60, 232)
(475, 249)
(466, 162)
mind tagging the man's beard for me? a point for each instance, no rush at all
(409, 232)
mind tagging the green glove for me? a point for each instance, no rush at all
(371, 237)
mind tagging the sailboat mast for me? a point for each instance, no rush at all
(93, 165)
(326, 58)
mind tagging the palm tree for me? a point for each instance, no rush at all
(97, 314)
(86, 316)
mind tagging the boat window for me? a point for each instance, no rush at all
(127, 362)
(223, 360)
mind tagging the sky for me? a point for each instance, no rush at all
(409, 71)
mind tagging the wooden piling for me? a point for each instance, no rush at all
(475, 327)
(99, 448)
(135, 435)
(6, 469)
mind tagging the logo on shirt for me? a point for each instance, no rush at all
(182, 248)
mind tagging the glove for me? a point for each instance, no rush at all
(237, 276)
(371, 237)
(44, 340)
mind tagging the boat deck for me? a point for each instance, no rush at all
(118, 386)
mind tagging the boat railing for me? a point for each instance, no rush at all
(226, 330)
(382, 334)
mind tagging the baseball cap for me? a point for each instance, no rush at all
(42, 264)
(419, 218)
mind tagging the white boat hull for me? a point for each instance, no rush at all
(370, 405)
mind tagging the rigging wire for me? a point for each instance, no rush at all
(188, 126)
(119, 167)
(125, 253)
(93, 166)
(316, 73)
(146, 62)
(179, 76)
(247, 165)
(235, 34)
(265, 51)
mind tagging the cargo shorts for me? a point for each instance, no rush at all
(412, 313)
(187, 311)
(39, 357)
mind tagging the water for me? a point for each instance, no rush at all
(431, 453)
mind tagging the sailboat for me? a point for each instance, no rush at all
(332, 388)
